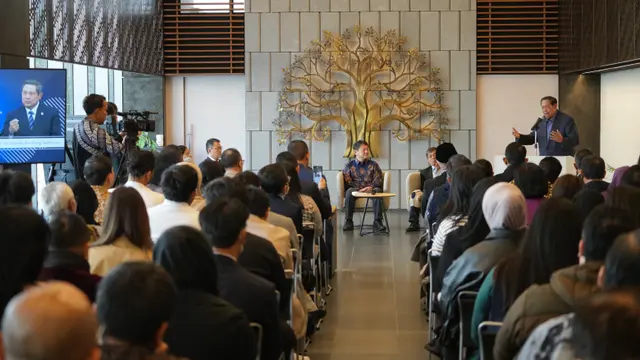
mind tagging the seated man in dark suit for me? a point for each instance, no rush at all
(593, 170)
(210, 167)
(515, 154)
(309, 187)
(33, 118)
(275, 182)
(444, 152)
(441, 193)
(428, 173)
(224, 221)
(259, 256)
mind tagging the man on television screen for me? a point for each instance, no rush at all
(33, 118)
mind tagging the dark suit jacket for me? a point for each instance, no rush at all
(597, 186)
(203, 326)
(261, 258)
(47, 122)
(567, 127)
(256, 297)
(320, 197)
(426, 174)
(507, 175)
(210, 170)
(428, 188)
(67, 266)
(287, 208)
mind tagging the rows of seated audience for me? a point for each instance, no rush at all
(550, 262)
(181, 261)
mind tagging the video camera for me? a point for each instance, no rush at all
(134, 121)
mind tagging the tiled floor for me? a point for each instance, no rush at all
(374, 312)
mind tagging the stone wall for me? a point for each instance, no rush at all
(278, 29)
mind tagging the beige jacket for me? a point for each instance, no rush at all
(278, 236)
(103, 258)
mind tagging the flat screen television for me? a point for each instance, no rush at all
(33, 106)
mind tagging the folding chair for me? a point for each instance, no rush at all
(432, 263)
(257, 331)
(487, 333)
(466, 302)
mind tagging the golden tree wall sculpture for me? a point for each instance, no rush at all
(360, 80)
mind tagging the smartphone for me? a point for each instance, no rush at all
(317, 174)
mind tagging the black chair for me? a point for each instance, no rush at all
(466, 302)
(432, 263)
(257, 332)
(487, 333)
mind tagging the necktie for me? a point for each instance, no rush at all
(31, 119)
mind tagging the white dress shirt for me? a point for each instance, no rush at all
(170, 214)
(150, 197)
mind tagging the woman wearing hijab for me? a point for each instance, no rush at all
(616, 180)
(505, 210)
(203, 325)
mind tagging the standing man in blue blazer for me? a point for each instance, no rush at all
(33, 118)
(557, 132)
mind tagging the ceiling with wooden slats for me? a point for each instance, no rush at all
(517, 36)
(203, 39)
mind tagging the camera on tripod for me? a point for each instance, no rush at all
(134, 121)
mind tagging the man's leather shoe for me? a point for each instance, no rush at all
(413, 227)
(348, 225)
(378, 227)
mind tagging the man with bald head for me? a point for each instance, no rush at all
(52, 321)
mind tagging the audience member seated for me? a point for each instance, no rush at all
(567, 286)
(616, 267)
(259, 256)
(125, 233)
(616, 180)
(577, 160)
(259, 226)
(275, 182)
(68, 252)
(444, 152)
(485, 166)
(134, 305)
(567, 186)
(186, 153)
(56, 197)
(249, 178)
(549, 245)
(140, 168)
(607, 326)
(223, 221)
(515, 154)
(631, 177)
(198, 202)
(530, 179)
(16, 187)
(23, 247)
(551, 167)
(300, 151)
(455, 212)
(505, 211)
(179, 186)
(317, 192)
(87, 204)
(593, 171)
(587, 200)
(440, 195)
(310, 211)
(49, 322)
(364, 175)
(467, 236)
(430, 172)
(98, 171)
(626, 198)
(166, 158)
(232, 162)
(203, 325)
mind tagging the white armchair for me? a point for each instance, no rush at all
(386, 187)
(412, 184)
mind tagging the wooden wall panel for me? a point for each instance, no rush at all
(198, 42)
(517, 36)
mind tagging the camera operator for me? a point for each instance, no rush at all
(89, 138)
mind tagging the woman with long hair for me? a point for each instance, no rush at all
(550, 244)
(626, 198)
(567, 186)
(456, 211)
(203, 325)
(532, 181)
(126, 235)
(310, 211)
(87, 205)
(464, 237)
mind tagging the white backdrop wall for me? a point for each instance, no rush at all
(202, 107)
(619, 117)
(506, 101)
